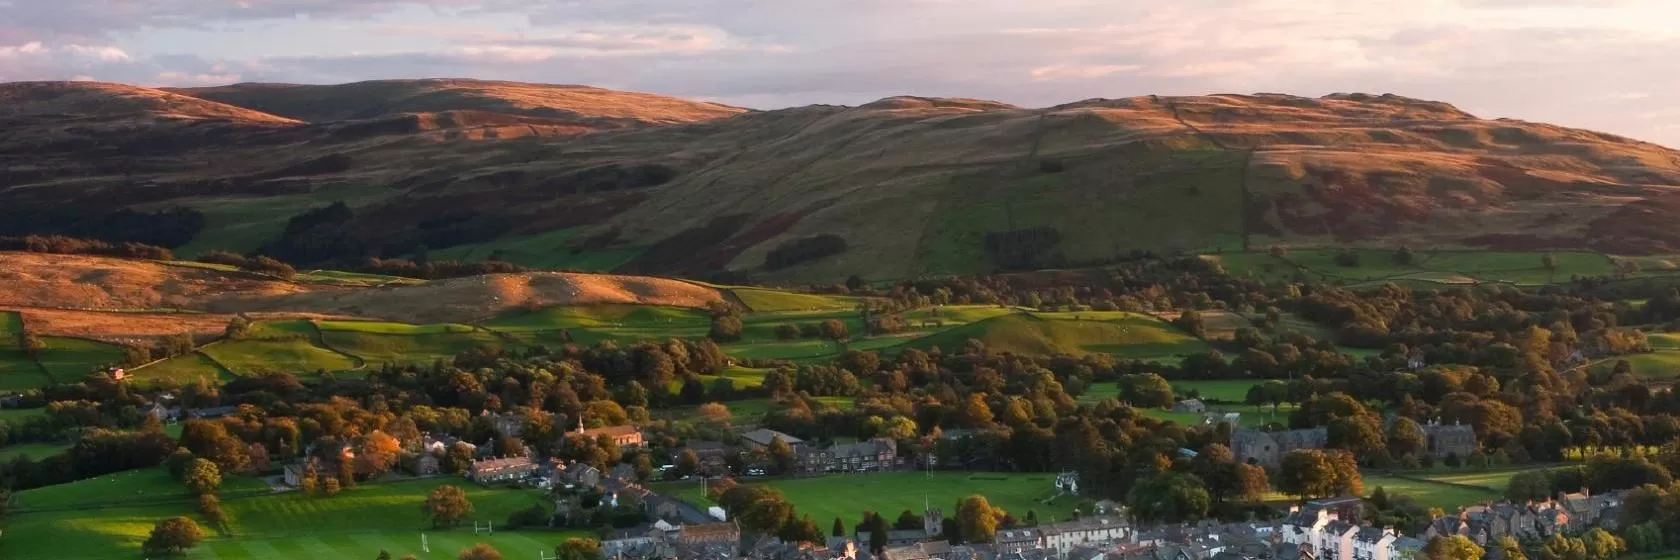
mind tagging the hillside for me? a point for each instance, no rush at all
(382, 98)
(897, 188)
(74, 295)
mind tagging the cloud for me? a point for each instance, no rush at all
(1077, 71)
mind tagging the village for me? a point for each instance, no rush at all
(1335, 528)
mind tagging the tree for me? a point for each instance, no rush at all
(578, 548)
(1146, 390)
(202, 477)
(383, 555)
(787, 331)
(1560, 547)
(331, 487)
(1456, 547)
(1360, 433)
(211, 507)
(1169, 497)
(480, 551)
(725, 328)
(782, 455)
(377, 454)
(446, 506)
(1403, 256)
(835, 330)
(1528, 485)
(178, 462)
(839, 529)
(1312, 473)
(1601, 545)
(907, 521)
(1510, 549)
(977, 519)
(172, 536)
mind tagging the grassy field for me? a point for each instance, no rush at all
(17, 371)
(1125, 334)
(761, 300)
(109, 516)
(848, 496)
(183, 369)
(1663, 364)
(1229, 390)
(376, 344)
(243, 223)
(1431, 494)
(32, 450)
(70, 359)
(299, 356)
(18, 415)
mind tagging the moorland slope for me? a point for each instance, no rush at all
(900, 187)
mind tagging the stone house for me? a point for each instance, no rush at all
(1374, 543)
(504, 469)
(581, 474)
(713, 455)
(426, 465)
(1268, 448)
(1443, 440)
(625, 436)
(1090, 531)
(864, 456)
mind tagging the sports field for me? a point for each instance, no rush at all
(848, 496)
(109, 516)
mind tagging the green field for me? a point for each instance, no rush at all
(70, 359)
(1432, 494)
(294, 355)
(36, 451)
(395, 343)
(847, 496)
(20, 415)
(1125, 334)
(60, 521)
(1662, 364)
(1228, 390)
(761, 300)
(17, 371)
(184, 368)
(243, 223)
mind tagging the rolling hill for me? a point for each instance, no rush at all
(582, 178)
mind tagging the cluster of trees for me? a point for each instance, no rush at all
(260, 264)
(804, 249)
(61, 245)
(172, 227)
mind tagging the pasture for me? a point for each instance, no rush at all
(34, 451)
(56, 521)
(1129, 335)
(848, 496)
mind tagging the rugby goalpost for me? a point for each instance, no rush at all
(488, 527)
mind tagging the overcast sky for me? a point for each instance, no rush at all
(1611, 65)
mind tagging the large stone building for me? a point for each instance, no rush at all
(1444, 440)
(1268, 448)
(864, 456)
(505, 469)
(625, 436)
(760, 439)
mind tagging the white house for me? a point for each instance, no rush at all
(1090, 531)
(1374, 543)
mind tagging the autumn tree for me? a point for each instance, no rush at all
(1147, 390)
(172, 536)
(1313, 473)
(783, 455)
(446, 506)
(1510, 549)
(977, 519)
(1169, 497)
(202, 477)
(480, 551)
(377, 454)
(1561, 547)
(1455, 547)
(578, 548)
(1405, 437)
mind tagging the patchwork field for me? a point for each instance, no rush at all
(848, 496)
(1125, 334)
(54, 522)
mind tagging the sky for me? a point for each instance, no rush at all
(1610, 65)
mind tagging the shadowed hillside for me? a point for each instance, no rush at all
(900, 187)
